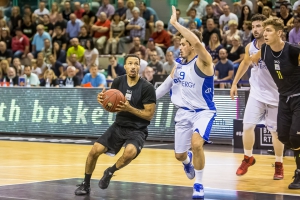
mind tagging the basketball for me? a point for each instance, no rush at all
(111, 99)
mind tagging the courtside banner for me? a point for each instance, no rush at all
(75, 111)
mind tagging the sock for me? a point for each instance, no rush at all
(297, 158)
(87, 178)
(248, 152)
(187, 160)
(198, 176)
(279, 159)
(113, 169)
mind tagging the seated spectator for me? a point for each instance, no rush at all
(152, 47)
(117, 28)
(5, 37)
(50, 79)
(148, 17)
(101, 31)
(148, 74)
(47, 50)
(33, 78)
(48, 26)
(78, 11)
(40, 63)
(155, 63)
(214, 47)
(28, 28)
(53, 13)
(114, 69)
(247, 35)
(88, 12)
(138, 47)
(210, 15)
(60, 39)
(96, 79)
(192, 25)
(35, 69)
(169, 64)
(56, 66)
(5, 54)
(62, 23)
(245, 16)
(20, 44)
(59, 54)
(226, 17)
(227, 37)
(67, 11)
(267, 11)
(15, 19)
(91, 56)
(236, 52)
(106, 8)
(87, 24)
(84, 36)
(4, 66)
(41, 11)
(217, 6)
(130, 4)
(19, 68)
(175, 49)
(121, 9)
(211, 29)
(199, 6)
(284, 14)
(193, 18)
(161, 36)
(294, 35)
(78, 66)
(73, 27)
(12, 77)
(75, 49)
(237, 6)
(71, 80)
(263, 3)
(38, 41)
(143, 63)
(171, 29)
(224, 69)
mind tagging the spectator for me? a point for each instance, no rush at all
(192, 25)
(73, 27)
(2, 15)
(199, 5)
(294, 35)
(40, 63)
(279, 2)
(148, 74)
(27, 10)
(137, 29)
(121, 9)
(151, 47)
(71, 80)
(56, 66)
(83, 37)
(96, 79)
(4, 66)
(91, 56)
(227, 37)
(101, 31)
(155, 63)
(50, 78)
(267, 11)
(15, 19)
(247, 35)
(262, 3)
(284, 14)
(48, 26)
(236, 53)
(35, 19)
(38, 40)
(87, 24)
(214, 47)
(117, 28)
(245, 16)
(5, 54)
(20, 44)
(78, 11)
(295, 6)
(67, 11)
(88, 12)
(148, 17)
(226, 17)
(217, 6)
(224, 68)
(75, 49)
(41, 11)
(53, 13)
(143, 63)
(47, 50)
(33, 78)
(161, 36)
(62, 23)
(193, 18)
(169, 64)
(138, 47)
(36, 69)
(79, 68)
(5, 37)
(130, 4)
(12, 76)
(171, 29)
(114, 69)
(106, 8)
(19, 68)
(61, 40)
(283, 36)
(237, 6)
(175, 49)
(59, 53)
(211, 28)
(28, 28)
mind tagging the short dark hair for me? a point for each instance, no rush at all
(258, 17)
(130, 56)
(143, 3)
(208, 5)
(92, 45)
(284, 4)
(27, 66)
(112, 57)
(178, 10)
(193, 9)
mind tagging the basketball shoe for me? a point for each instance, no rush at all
(83, 189)
(198, 191)
(189, 168)
(278, 175)
(296, 183)
(246, 163)
(104, 181)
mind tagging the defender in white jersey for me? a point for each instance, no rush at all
(191, 85)
(262, 103)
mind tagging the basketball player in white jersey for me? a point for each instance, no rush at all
(192, 88)
(262, 103)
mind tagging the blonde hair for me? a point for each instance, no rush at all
(7, 65)
(49, 72)
(57, 8)
(131, 1)
(17, 8)
(211, 45)
(232, 22)
(237, 37)
(276, 22)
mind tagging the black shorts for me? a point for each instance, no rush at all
(288, 121)
(116, 136)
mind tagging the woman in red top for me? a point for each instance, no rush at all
(161, 37)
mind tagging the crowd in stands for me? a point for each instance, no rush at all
(61, 45)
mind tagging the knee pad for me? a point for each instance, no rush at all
(248, 127)
(295, 141)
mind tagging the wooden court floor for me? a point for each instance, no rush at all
(26, 162)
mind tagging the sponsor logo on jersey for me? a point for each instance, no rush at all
(208, 90)
(184, 83)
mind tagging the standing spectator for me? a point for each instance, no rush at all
(96, 79)
(169, 64)
(171, 29)
(218, 7)
(61, 22)
(88, 12)
(155, 63)
(137, 29)
(237, 6)
(38, 40)
(148, 74)
(20, 44)
(161, 36)
(53, 13)
(78, 11)
(67, 11)
(245, 16)
(148, 17)
(214, 46)
(246, 36)
(294, 35)
(236, 53)
(226, 17)
(152, 47)
(121, 9)
(5, 54)
(101, 31)
(193, 18)
(72, 80)
(91, 56)
(114, 69)
(175, 49)
(75, 49)
(15, 19)
(199, 5)
(56, 66)
(107, 8)
(61, 40)
(73, 27)
(262, 3)
(49, 78)
(117, 28)
(210, 29)
(47, 50)
(84, 36)
(224, 68)
(48, 26)
(41, 11)
(5, 37)
(130, 4)
(33, 78)
(138, 47)
(143, 63)
(28, 28)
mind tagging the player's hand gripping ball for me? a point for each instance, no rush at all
(110, 99)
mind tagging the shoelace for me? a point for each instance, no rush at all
(244, 164)
(197, 188)
(278, 170)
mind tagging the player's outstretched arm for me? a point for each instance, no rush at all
(241, 71)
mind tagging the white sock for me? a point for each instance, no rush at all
(248, 152)
(279, 159)
(198, 176)
(187, 160)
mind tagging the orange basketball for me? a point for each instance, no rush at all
(111, 98)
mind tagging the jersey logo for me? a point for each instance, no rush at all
(128, 95)
(208, 90)
(277, 68)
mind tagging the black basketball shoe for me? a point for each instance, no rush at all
(104, 181)
(296, 183)
(83, 189)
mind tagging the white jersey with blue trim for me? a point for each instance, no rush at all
(263, 87)
(189, 89)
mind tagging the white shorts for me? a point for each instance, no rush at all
(188, 122)
(257, 111)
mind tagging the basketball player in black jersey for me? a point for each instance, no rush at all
(129, 128)
(282, 60)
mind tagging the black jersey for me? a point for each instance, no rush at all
(141, 93)
(283, 67)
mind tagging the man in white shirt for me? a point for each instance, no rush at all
(199, 5)
(224, 19)
(33, 78)
(41, 11)
(143, 63)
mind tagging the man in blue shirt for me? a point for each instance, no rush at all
(114, 69)
(96, 79)
(38, 40)
(73, 27)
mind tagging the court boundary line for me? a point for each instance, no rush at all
(38, 181)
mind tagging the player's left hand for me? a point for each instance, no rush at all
(173, 19)
(123, 106)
